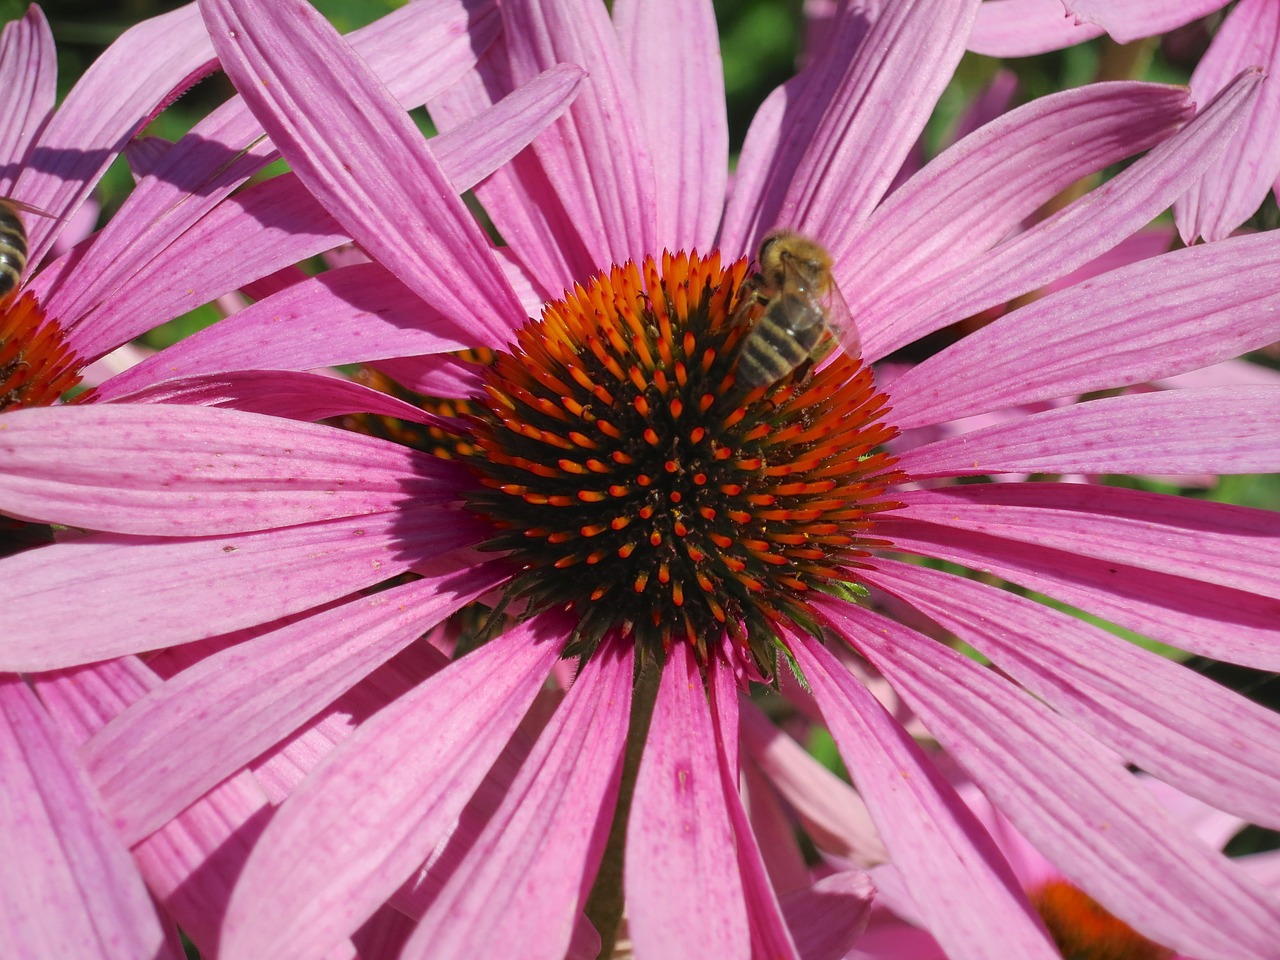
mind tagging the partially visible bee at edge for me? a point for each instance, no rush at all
(13, 243)
(795, 285)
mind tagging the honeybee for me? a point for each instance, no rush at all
(802, 310)
(13, 243)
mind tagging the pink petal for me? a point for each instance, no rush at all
(874, 116)
(956, 876)
(383, 936)
(1164, 717)
(1209, 824)
(232, 706)
(1221, 543)
(1010, 167)
(774, 830)
(355, 314)
(543, 243)
(1231, 373)
(1237, 182)
(193, 471)
(189, 864)
(70, 886)
(524, 880)
(28, 76)
(132, 262)
(831, 811)
(277, 223)
(753, 187)
(846, 141)
(673, 52)
(1153, 319)
(416, 894)
(770, 936)
(1022, 28)
(1149, 242)
(596, 156)
(278, 393)
(1214, 430)
(1073, 800)
(1202, 618)
(1071, 237)
(363, 158)
(286, 765)
(143, 70)
(185, 590)
(828, 918)
(1129, 20)
(374, 808)
(144, 154)
(680, 841)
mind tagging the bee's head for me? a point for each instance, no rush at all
(790, 261)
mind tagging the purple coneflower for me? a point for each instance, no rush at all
(1236, 183)
(612, 486)
(62, 309)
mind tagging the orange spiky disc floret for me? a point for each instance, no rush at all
(36, 365)
(639, 487)
(1083, 930)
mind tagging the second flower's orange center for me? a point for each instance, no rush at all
(1083, 930)
(36, 365)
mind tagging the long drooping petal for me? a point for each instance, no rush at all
(1075, 800)
(932, 225)
(394, 200)
(770, 936)
(680, 84)
(524, 880)
(832, 812)
(272, 225)
(1237, 547)
(1070, 238)
(961, 885)
(188, 589)
(279, 393)
(1238, 181)
(1021, 28)
(28, 75)
(1212, 430)
(843, 143)
(1153, 319)
(70, 888)
(138, 469)
(233, 705)
(1206, 739)
(679, 839)
(1129, 20)
(190, 863)
(544, 243)
(349, 315)
(148, 66)
(596, 156)
(358, 826)
(1204, 618)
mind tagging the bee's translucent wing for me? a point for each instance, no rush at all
(841, 321)
(28, 208)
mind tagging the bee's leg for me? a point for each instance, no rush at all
(823, 348)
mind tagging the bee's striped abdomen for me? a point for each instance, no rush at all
(13, 249)
(782, 340)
